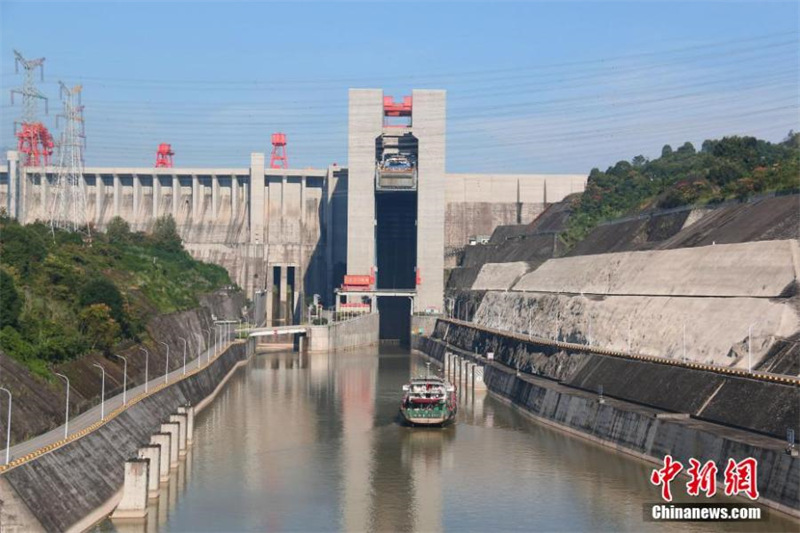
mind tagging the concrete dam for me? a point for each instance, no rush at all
(293, 233)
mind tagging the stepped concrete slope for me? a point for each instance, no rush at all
(755, 269)
(716, 328)
(500, 276)
(696, 303)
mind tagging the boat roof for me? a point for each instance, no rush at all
(432, 380)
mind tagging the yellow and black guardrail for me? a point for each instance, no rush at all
(111, 416)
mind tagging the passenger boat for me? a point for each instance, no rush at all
(429, 401)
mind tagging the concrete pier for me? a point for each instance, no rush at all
(174, 429)
(152, 452)
(134, 492)
(164, 442)
(188, 410)
(182, 421)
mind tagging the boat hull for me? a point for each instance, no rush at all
(413, 419)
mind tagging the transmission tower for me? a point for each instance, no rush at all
(68, 210)
(33, 138)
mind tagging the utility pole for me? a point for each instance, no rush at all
(66, 415)
(146, 368)
(102, 392)
(166, 364)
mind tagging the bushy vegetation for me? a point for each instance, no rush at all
(725, 169)
(62, 295)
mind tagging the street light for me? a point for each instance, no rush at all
(124, 379)
(166, 366)
(102, 392)
(208, 345)
(66, 415)
(8, 425)
(146, 367)
(184, 354)
(199, 348)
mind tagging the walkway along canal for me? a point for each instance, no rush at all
(299, 442)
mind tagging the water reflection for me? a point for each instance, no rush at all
(314, 444)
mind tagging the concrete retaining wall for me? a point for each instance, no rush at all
(644, 435)
(638, 431)
(62, 487)
(354, 333)
(754, 269)
(768, 408)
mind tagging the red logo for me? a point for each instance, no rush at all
(664, 476)
(741, 477)
(703, 479)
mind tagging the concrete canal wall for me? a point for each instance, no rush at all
(77, 484)
(642, 431)
(346, 335)
(764, 407)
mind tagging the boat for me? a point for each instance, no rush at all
(429, 401)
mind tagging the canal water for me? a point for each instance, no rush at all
(312, 443)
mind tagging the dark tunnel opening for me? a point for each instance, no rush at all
(396, 250)
(395, 320)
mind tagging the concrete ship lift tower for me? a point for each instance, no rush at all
(396, 206)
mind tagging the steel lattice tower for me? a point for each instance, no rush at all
(33, 138)
(68, 210)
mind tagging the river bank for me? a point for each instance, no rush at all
(77, 483)
(643, 431)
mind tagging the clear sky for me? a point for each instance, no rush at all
(532, 86)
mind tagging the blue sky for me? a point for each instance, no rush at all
(532, 86)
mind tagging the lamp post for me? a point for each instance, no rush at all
(184, 355)
(124, 379)
(166, 365)
(208, 345)
(199, 348)
(66, 415)
(8, 425)
(102, 392)
(146, 367)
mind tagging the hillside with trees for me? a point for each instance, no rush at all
(63, 295)
(725, 169)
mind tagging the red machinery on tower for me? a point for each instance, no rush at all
(164, 156)
(33, 139)
(35, 143)
(280, 158)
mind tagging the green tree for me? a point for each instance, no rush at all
(10, 301)
(118, 230)
(666, 151)
(98, 327)
(165, 234)
(103, 291)
(21, 247)
(686, 149)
